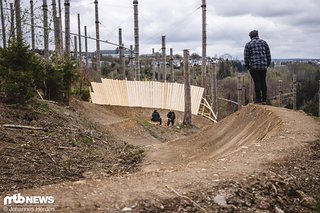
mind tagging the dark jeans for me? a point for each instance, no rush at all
(170, 121)
(260, 85)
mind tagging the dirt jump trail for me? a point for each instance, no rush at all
(240, 145)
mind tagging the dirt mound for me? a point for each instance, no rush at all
(62, 146)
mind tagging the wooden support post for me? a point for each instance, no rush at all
(239, 85)
(187, 89)
(214, 88)
(280, 93)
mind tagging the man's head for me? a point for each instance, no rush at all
(254, 33)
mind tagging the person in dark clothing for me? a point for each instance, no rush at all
(171, 117)
(156, 117)
(257, 58)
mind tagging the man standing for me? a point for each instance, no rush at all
(257, 58)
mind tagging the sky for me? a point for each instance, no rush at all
(291, 27)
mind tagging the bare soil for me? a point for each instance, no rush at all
(259, 159)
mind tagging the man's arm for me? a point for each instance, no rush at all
(247, 57)
(268, 54)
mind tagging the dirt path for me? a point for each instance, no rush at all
(242, 144)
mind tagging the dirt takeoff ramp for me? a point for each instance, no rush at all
(246, 127)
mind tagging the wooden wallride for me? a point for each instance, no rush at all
(149, 94)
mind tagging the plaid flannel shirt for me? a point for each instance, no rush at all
(257, 54)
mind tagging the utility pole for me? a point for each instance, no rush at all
(98, 39)
(136, 39)
(4, 40)
(18, 20)
(45, 30)
(187, 89)
(164, 61)
(32, 25)
(67, 28)
(204, 43)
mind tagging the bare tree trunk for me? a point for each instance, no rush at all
(86, 47)
(79, 41)
(4, 40)
(164, 61)
(12, 38)
(97, 39)
(187, 89)
(250, 89)
(45, 29)
(67, 29)
(121, 57)
(136, 39)
(60, 25)
(56, 29)
(132, 75)
(294, 84)
(171, 64)
(153, 67)
(319, 100)
(280, 93)
(239, 85)
(18, 20)
(214, 88)
(204, 43)
(32, 26)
